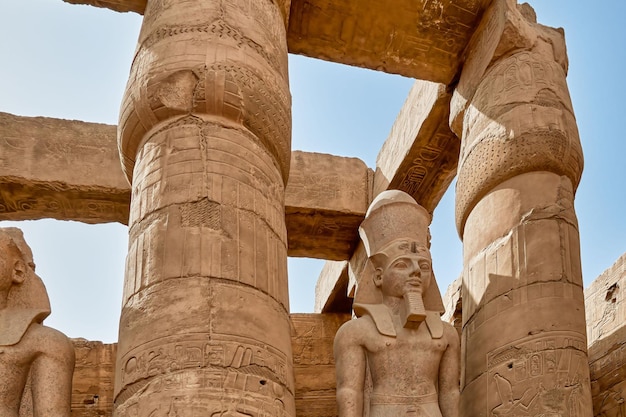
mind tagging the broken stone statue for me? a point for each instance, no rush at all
(36, 362)
(398, 341)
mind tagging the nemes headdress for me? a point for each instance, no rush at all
(27, 301)
(394, 223)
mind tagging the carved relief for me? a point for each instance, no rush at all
(539, 376)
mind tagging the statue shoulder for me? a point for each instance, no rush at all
(355, 331)
(450, 334)
(51, 341)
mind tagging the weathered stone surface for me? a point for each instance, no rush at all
(453, 303)
(312, 338)
(423, 39)
(607, 364)
(398, 342)
(419, 39)
(37, 361)
(331, 293)
(325, 201)
(520, 162)
(205, 140)
(67, 170)
(606, 332)
(137, 6)
(605, 302)
(92, 387)
(70, 170)
(421, 153)
(524, 93)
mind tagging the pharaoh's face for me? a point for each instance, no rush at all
(405, 272)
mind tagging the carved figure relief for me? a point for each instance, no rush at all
(539, 377)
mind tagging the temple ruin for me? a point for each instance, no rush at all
(217, 201)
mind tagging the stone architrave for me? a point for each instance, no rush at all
(36, 361)
(524, 342)
(205, 139)
(398, 343)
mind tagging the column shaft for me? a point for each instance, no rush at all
(205, 137)
(524, 341)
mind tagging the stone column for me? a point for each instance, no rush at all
(524, 343)
(205, 138)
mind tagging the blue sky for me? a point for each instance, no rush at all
(72, 62)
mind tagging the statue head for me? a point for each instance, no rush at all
(397, 242)
(19, 285)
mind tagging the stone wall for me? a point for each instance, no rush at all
(605, 306)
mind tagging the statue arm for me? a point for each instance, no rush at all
(350, 365)
(449, 373)
(52, 373)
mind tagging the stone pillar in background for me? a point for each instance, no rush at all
(205, 138)
(524, 343)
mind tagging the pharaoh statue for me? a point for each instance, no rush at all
(398, 341)
(36, 362)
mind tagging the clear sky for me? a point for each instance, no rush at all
(72, 62)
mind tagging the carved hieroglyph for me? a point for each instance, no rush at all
(36, 362)
(205, 138)
(524, 349)
(398, 342)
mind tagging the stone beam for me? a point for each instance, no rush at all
(420, 39)
(60, 169)
(70, 170)
(325, 201)
(419, 157)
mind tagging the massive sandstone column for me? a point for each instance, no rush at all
(205, 132)
(524, 343)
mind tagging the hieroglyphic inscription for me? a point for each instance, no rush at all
(234, 353)
(539, 376)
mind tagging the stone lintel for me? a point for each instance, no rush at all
(60, 169)
(419, 157)
(421, 153)
(419, 39)
(70, 170)
(325, 201)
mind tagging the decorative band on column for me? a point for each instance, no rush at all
(201, 58)
(520, 120)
